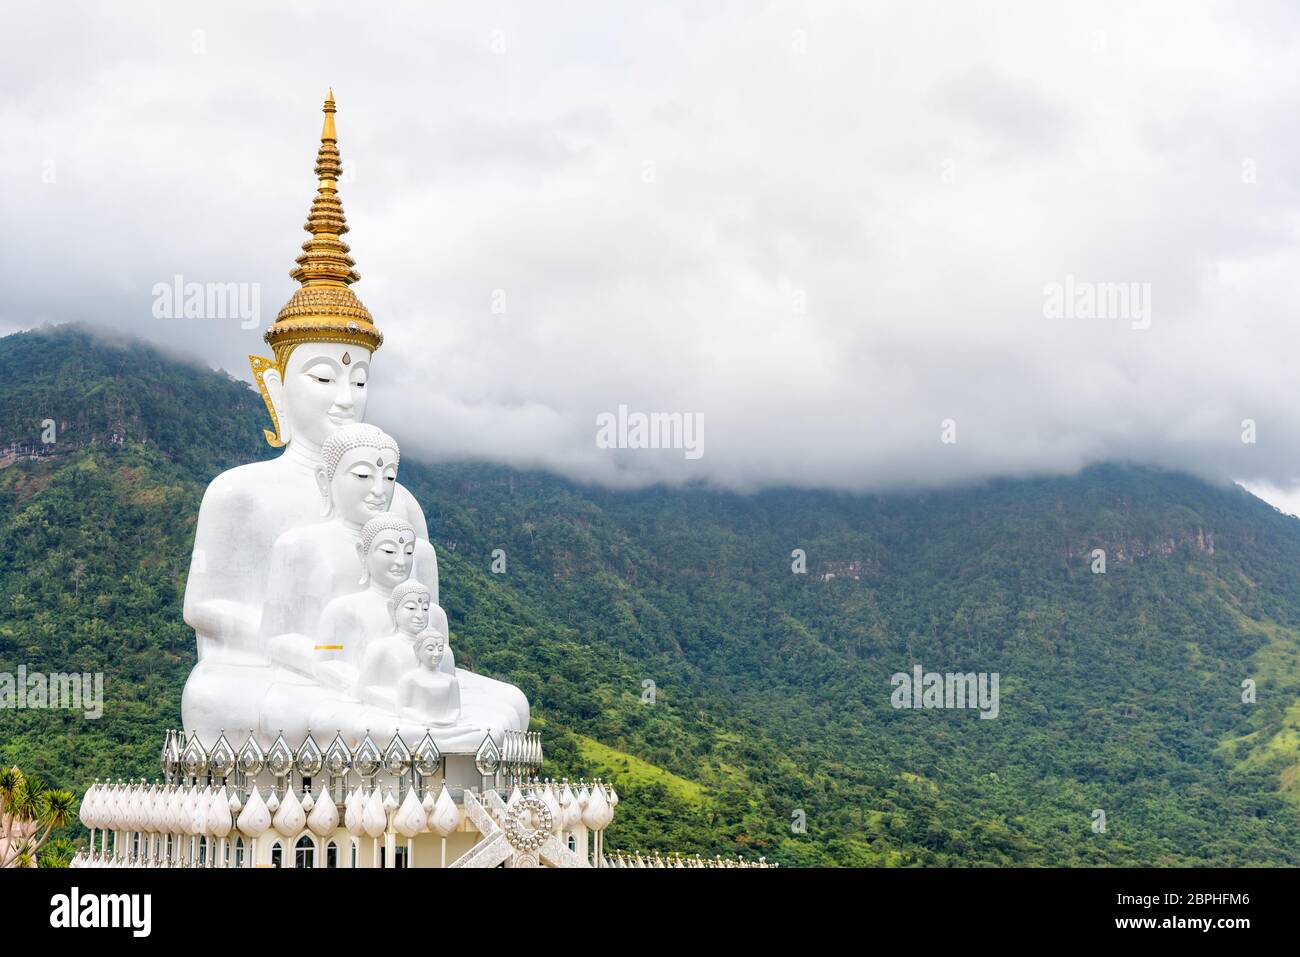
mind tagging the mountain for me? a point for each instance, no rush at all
(1119, 692)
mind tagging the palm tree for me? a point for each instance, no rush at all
(29, 813)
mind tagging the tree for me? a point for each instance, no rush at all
(29, 813)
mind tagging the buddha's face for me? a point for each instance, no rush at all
(413, 613)
(324, 387)
(429, 652)
(390, 557)
(363, 484)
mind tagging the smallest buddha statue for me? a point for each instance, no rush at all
(386, 659)
(424, 693)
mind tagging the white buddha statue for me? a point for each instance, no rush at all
(322, 341)
(426, 692)
(240, 604)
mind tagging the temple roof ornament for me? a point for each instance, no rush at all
(325, 309)
(251, 758)
(367, 760)
(171, 756)
(221, 760)
(338, 757)
(194, 760)
(428, 758)
(397, 757)
(279, 760)
(488, 758)
(309, 759)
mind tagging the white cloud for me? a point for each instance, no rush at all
(840, 248)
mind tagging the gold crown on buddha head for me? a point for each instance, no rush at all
(324, 309)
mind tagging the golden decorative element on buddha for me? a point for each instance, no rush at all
(324, 309)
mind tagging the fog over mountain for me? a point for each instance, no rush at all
(834, 234)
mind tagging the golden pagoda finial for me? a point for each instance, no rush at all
(325, 309)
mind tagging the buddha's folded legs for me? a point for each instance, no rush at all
(223, 696)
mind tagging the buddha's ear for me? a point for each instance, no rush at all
(365, 565)
(323, 483)
(275, 391)
(271, 385)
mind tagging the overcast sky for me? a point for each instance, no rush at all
(824, 228)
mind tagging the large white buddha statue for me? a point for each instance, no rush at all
(322, 343)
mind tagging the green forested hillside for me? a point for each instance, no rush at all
(1119, 691)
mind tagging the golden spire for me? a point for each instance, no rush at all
(324, 309)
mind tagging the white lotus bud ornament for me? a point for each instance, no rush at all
(569, 805)
(255, 818)
(373, 820)
(199, 810)
(446, 815)
(289, 817)
(597, 814)
(410, 818)
(86, 810)
(219, 822)
(324, 817)
(354, 811)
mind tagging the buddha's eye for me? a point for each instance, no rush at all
(322, 373)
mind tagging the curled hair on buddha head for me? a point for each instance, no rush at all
(382, 523)
(409, 587)
(357, 436)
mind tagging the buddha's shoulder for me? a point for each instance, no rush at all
(313, 535)
(253, 484)
(240, 481)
